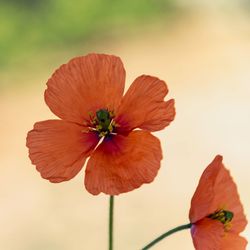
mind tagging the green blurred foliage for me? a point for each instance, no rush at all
(29, 26)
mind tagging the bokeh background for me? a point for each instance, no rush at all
(201, 49)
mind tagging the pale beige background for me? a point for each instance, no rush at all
(205, 59)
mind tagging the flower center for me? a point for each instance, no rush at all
(224, 216)
(103, 122)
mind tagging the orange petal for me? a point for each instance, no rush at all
(207, 234)
(143, 106)
(121, 164)
(233, 242)
(85, 84)
(217, 190)
(59, 148)
(204, 194)
(226, 197)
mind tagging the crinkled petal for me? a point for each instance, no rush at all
(217, 190)
(143, 106)
(84, 85)
(207, 234)
(123, 163)
(233, 242)
(59, 148)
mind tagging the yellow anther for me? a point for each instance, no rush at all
(227, 226)
(111, 114)
(98, 127)
(110, 127)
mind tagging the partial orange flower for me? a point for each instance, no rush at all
(97, 121)
(216, 212)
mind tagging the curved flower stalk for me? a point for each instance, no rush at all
(99, 123)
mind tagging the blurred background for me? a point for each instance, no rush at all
(200, 48)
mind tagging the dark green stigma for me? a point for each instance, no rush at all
(103, 118)
(103, 122)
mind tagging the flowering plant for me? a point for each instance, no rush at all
(112, 133)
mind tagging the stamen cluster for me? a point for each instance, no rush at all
(224, 216)
(103, 122)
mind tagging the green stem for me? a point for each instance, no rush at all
(111, 219)
(161, 237)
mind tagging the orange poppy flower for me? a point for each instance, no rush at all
(216, 212)
(97, 121)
